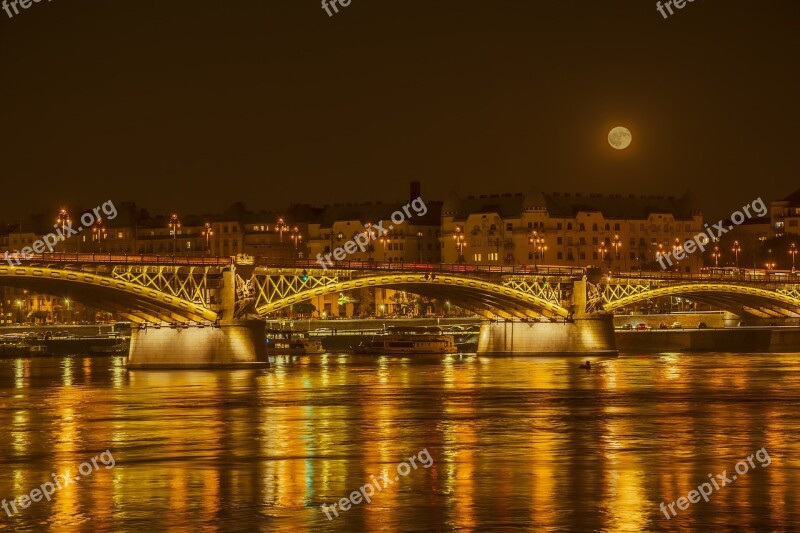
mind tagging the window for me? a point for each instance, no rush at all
(530, 255)
(492, 256)
(530, 225)
(594, 255)
(616, 226)
(560, 255)
(632, 256)
(582, 241)
(608, 227)
(583, 256)
(560, 240)
(476, 258)
(641, 241)
(582, 227)
(509, 226)
(559, 225)
(594, 241)
(569, 225)
(594, 227)
(570, 257)
(641, 227)
(632, 241)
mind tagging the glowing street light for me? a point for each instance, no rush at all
(174, 224)
(297, 237)
(281, 227)
(63, 220)
(207, 233)
(793, 252)
(458, 237)
(539, 246)
(716, 255)
(99, 233)
(736, 250)
(616, 244)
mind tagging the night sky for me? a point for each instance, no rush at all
(192, 105)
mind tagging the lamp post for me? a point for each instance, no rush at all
(660, 251)
(99, 233)
(297, 237)
(716, 256)
(602, 250)
(539, 246)
(458, 237)
(616, 244)
(736, 250)
(63, 221)
(387, 241)
(207, 233)
(419, 247)
(174, 224)
(19, 311)
(793, 252)
(281, 227)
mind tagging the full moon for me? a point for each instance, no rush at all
(619, 138)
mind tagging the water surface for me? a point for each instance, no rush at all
(517, 444)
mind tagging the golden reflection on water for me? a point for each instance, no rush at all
(517, 443)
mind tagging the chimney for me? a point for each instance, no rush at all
(416, 190)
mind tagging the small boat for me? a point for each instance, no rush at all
(292, 343)
(120, 347)
(23, 349)
(408, 340)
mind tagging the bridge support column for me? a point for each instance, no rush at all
(235, 345)
(588, 335)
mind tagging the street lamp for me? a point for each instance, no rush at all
(539, 247)
(736, 250)
(603, 250)
(174, 224)
(63, 220)
(387, 241)
(99, 233)
(793, 252)
(616, 244)
(19, 311)
(419, 247)
(716, 256)
(458, 237)
(281, 227)
(207, 233)
(297, 237)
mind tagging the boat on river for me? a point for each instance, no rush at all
(408, 340)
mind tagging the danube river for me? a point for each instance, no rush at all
(501, 444)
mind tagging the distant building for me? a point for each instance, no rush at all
(617, 232)
(785, 215)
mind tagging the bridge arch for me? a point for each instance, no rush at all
(736, 298)
(136, 302)
(484, 297)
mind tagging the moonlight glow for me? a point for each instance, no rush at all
(619, 138)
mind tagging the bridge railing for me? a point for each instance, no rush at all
(58, 257)
(427, 267)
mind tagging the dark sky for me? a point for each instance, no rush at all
(191, 105)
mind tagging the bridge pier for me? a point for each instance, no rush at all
(588, 335)
(232, 345)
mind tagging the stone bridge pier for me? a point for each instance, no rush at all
(230, 343)
(581, 334)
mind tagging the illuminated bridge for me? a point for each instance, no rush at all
(211, 311)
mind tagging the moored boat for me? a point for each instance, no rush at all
(408, 340)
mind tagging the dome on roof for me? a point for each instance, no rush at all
(452, 203)
(534, 199)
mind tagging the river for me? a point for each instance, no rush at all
(499, 444)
